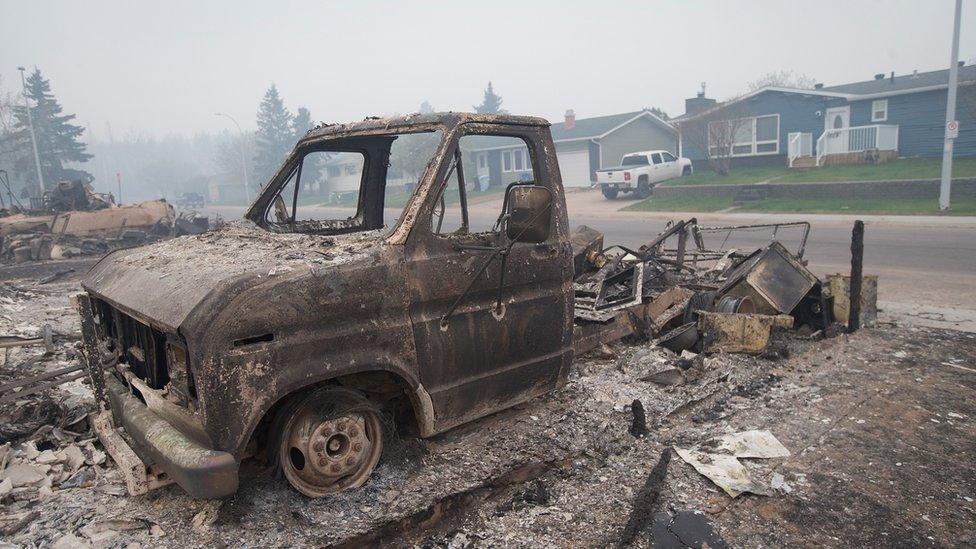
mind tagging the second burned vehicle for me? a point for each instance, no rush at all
(294, 334)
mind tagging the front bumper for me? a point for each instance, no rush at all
(202, 472)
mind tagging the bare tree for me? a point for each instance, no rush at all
(783, 79)
(716, 132)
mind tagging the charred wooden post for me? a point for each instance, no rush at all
(857, 263)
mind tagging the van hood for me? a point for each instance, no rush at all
(161, 283)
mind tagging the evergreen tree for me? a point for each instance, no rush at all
(492, 102)
(302, 122)
(58, 140)
(426, 108)
(274, 138)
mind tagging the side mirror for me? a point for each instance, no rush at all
(529, 213)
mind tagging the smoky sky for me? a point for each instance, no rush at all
(157, 68)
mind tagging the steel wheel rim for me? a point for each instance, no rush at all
(322, 455)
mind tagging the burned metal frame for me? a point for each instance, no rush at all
(729, 229)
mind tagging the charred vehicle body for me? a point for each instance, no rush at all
(373, 278)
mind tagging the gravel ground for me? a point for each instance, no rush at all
(875, 424)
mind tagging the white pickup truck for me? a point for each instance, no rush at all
(638, 172)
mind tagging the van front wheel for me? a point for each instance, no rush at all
(330, 441)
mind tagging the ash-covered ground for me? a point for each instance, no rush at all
(879, 426)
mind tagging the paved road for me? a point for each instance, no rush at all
(929, 261)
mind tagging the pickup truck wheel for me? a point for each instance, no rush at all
(330, 440)
(609, 192)
(643, 189)
(686, 171)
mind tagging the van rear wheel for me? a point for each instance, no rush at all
(329, 441)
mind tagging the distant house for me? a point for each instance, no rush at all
(583, 146)
(888, 116)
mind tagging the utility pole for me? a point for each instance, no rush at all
(118, 177)
(247, 191)
(952, 125)
(30, 124)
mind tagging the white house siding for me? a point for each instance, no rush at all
(640, 135)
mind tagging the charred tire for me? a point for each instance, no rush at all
(609, 193)
(643, 188)
(686, 171)
(329, 440)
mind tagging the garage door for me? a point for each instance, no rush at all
(575, 168)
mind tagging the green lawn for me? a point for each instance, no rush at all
(960, 206)
(915, 168)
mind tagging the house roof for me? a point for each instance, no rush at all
(585, 128)
(907, 82)
(599, 126)
(869, 89)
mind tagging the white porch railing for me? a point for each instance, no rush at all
(882, 137)
(800, 144)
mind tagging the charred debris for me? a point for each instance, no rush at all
(687, 296)
(72, 220)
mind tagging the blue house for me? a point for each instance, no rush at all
(875, 120)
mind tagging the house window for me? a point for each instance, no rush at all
(334, 171)
(746, 136)
(519, 162)
(506, 161)
(879, 110)
(482, 162)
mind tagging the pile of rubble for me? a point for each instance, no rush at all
(691, 297)
(73, 221)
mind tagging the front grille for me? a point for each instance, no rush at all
(140, 346)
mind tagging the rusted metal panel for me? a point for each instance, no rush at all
(484, 359)
(839, 285)
(772, 278)
(106, 222)
(587, 242)
(738, 333)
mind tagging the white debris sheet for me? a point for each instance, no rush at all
(718, 460)
(746, 444)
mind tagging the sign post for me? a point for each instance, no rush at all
(952, 126)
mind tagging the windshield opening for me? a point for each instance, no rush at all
(350, 184)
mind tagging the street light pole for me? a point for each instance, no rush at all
(30, 124)
(247, 190)
(945, 189)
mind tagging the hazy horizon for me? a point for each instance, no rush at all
(160, 69)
